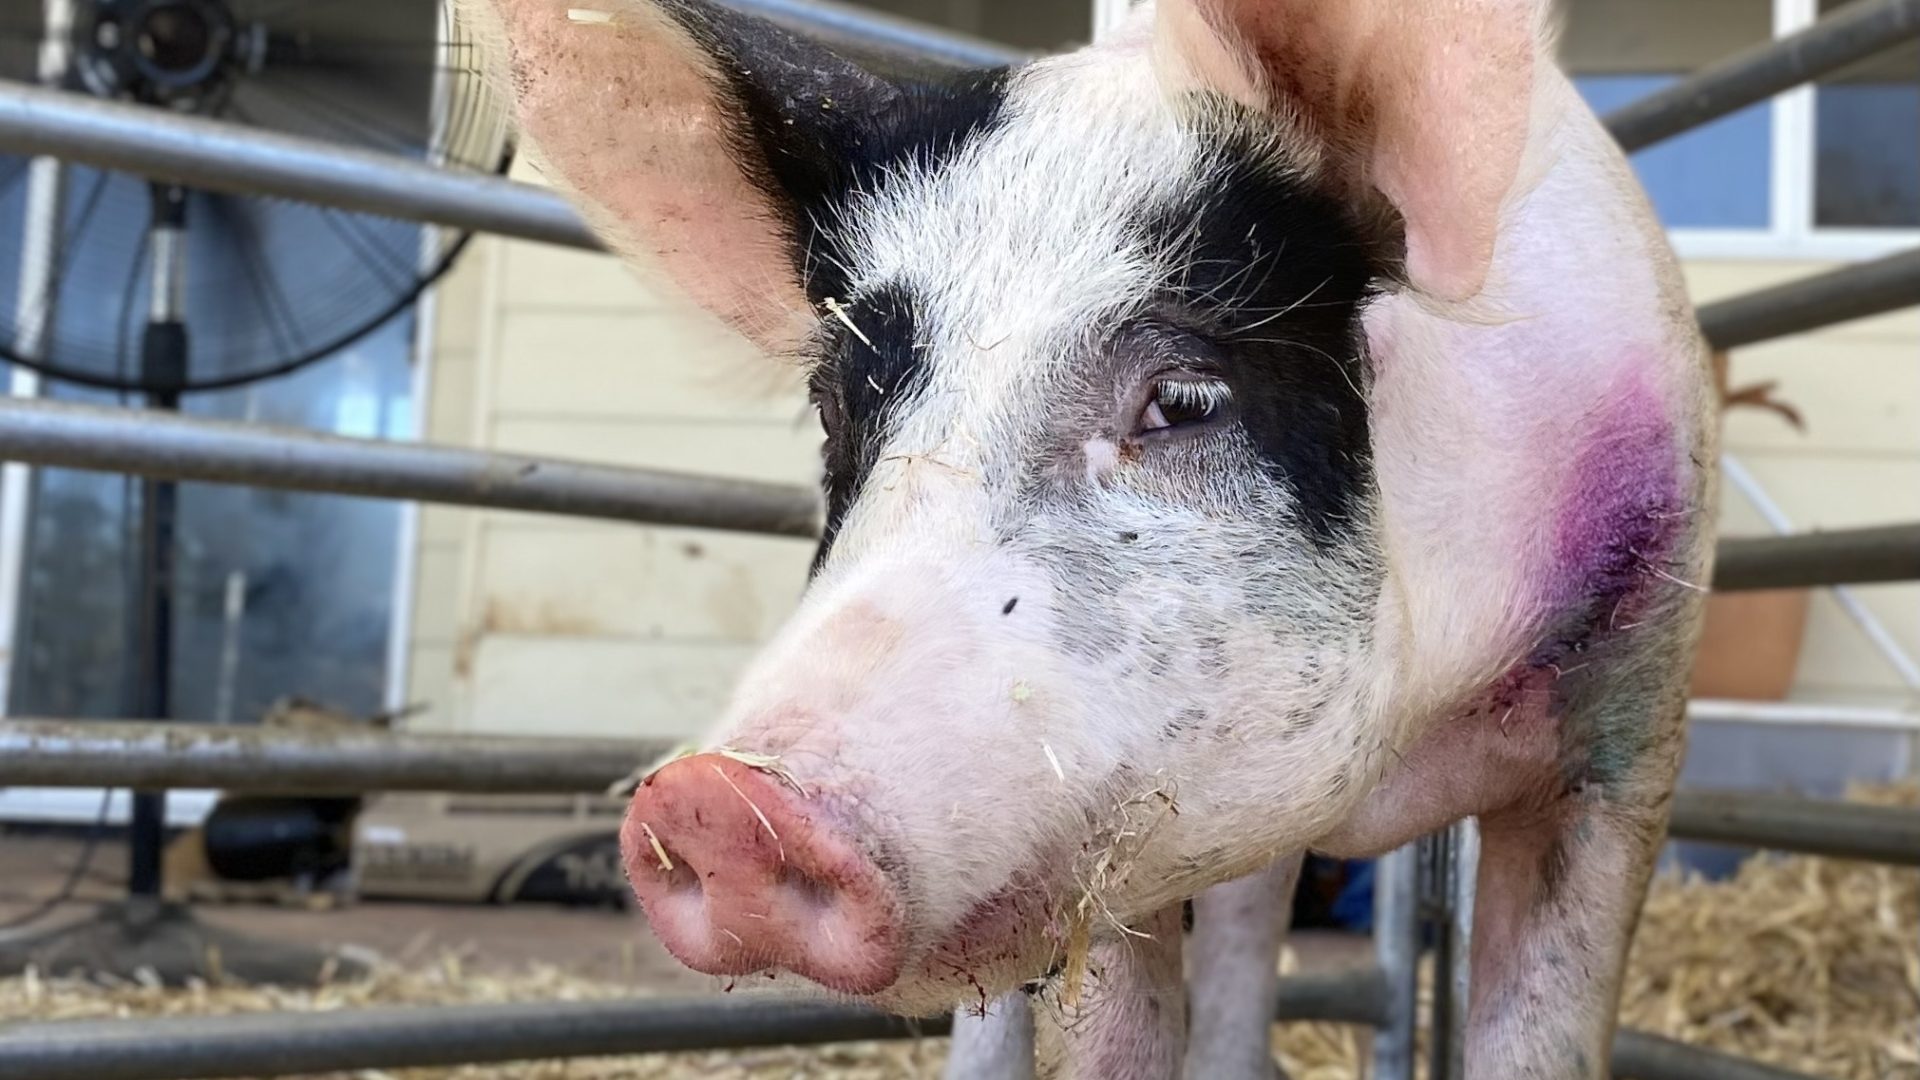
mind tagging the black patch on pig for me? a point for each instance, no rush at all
(859, 385)
(816, 127)
(1275, 273)
(926, 126)
(813, 129)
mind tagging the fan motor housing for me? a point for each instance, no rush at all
(174, 52)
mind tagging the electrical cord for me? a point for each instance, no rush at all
(74, 876)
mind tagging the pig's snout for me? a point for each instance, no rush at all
(738, 872)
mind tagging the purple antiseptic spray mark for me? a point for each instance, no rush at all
(1621, 511)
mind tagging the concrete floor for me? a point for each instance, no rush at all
(599, 944)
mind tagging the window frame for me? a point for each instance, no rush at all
(1791, 232)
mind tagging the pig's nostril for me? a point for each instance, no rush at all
(808, 893)
(684, 880)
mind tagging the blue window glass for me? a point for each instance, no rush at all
(275, 592)
(1867, 142)
(1717, 176)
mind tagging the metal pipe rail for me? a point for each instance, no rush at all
(1747, 78)
(148, 755)
(151, 756)
(1843, 557)
(225, 157)
(1891, 718)
(288, 1043)
(1639, 1055)
(1840, 830)
(216, 155)
(1850, 292)
(284, 1043)
(347, 1040)
(42, 432)
(1396, 949)
(222, 156)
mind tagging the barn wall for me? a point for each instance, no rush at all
(525, 623)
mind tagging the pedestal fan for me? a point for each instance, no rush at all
(161, 291)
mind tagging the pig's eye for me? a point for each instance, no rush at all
(1181, 402)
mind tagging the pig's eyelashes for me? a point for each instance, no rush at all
(1183, 403)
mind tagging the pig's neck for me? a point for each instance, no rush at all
(1540, 460)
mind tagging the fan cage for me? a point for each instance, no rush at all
(271, 286)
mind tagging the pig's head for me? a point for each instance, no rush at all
(1103, 613)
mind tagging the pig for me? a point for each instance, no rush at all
(1279, 425)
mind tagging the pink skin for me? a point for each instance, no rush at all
(738, 874)
(740, 900)
(1502, 636)
(1505, 746)
(1131, 1020)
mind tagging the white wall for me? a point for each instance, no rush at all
(1857, 464)
(551, 625)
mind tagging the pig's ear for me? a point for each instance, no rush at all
(1426, 102)
(688, 134)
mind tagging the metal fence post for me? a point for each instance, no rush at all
(1396, 944)
(1436, 862)
(1453, 964)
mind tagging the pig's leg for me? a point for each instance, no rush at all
(1131, 1020)
(1237, 929)
(1559, 891)
(996, 1044)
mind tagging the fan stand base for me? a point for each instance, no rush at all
(141, 938)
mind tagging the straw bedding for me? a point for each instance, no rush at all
(1808, 964)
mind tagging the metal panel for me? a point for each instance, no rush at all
(1765, 70)
(281, 1044)
(82, 753)
(1887, 834)
(1846, 556)
(150, 756)
(1396, 945)
(85, 437)
(1641, 1056)
(1851, 292)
